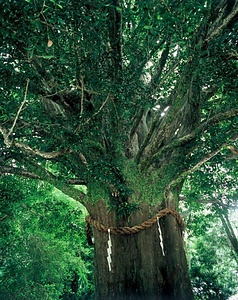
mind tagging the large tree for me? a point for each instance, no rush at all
(127, 98)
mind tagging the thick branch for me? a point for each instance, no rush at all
(184, 174)
(30, 175)
(18, 171)
(216, 31)
(194, 168)
(150, 133)
(161, 65)
(222, 116)
(189, 137)
(46, 155)
(168, 73)
(41, 173)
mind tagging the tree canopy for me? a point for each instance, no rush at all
(87, 83)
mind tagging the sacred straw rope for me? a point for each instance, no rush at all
(134, 229)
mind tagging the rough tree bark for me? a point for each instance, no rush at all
(140, 268)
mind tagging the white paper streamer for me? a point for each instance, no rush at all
(160, 237)
(109, 251)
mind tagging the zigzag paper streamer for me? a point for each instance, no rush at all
(109, 251)
(160, 237)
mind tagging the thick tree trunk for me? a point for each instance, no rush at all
(139, 268)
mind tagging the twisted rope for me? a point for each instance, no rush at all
(134, 229)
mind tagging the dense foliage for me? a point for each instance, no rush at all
(128, 98)
(212, 262)
(43, 247)
(80, 81)
(210, 213)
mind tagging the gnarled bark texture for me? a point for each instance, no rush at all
(139, 268)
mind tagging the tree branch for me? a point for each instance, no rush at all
(82, 95)
(167, 74)
(5, 137)
(4, 132)
(19, 110)
(228, 229)
(40, 173)
(47, 155)
(7, 170)
(216, 31)
(187, 138)
(18, 171)
(161, 65)
(94, 115)
(184, 174)
(157, 121)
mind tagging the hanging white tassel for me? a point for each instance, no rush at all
(109, 251)
(160, 237)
